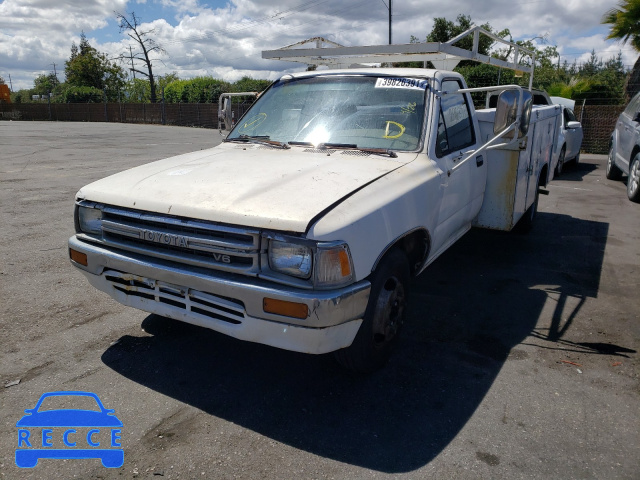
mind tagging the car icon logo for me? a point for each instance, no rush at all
(92, 431)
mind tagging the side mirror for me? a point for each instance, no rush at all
(507, 111)
(573, 124)
(225, 114)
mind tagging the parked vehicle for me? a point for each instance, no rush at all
(624, 149)
(569, 140)
(302, 229)
(570, 132)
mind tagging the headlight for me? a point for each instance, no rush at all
(290, 258)
(333, 266)
(90, 220)
(326, 264)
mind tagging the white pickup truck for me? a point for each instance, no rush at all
(303, 228)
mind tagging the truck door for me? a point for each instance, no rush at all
(464, 182)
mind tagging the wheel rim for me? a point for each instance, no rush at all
(389, 312)
(634, 178)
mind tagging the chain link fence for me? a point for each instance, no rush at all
(598, 121)
(203, 115)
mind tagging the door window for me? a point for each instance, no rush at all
(455, 128)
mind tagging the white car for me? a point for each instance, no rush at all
(569, 139)
(624, 149)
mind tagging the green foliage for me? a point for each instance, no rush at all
(136, 90)
(625, 22)
(73, 94)
(174, 92)
(45, 84)
(444, 30)
(248, 84)
(165, 80)
(196, 90)
(87, 67)
(596, 81)
(21, 96)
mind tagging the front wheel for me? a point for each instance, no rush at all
(383, 318)
(612, 172)
(633, 182)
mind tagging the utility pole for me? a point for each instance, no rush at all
(10, 84)
(55, 73)
(390, 21)
(390, 15)
(132, 67)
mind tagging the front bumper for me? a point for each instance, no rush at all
(227, 303)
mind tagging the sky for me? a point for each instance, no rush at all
(225, 39)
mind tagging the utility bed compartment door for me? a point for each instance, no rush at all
(512, 172)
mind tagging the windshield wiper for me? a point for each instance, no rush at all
(259, 139)
(347, 146)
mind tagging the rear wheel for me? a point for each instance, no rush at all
(525, 224)
(383, 318)
(633, 182)
(612, 172)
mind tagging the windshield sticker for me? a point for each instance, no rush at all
(391, 132)
(397, 82)
(409, 108)
(253, 122)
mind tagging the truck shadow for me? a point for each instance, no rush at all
(468, 311)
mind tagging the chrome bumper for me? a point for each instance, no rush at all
(228, 303)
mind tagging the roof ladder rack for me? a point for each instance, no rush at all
(444, 56)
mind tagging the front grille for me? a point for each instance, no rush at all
(193, 242)
(187, 299)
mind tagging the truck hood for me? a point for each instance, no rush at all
(245, 184)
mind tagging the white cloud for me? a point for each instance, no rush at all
(227, 41)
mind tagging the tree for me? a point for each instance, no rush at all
(45, 84)
(444, 30)
(87, 67)
(145, 43)
(625, 27)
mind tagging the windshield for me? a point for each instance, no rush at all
(359, 111)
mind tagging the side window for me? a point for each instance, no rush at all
(455, 128)
(632, 108)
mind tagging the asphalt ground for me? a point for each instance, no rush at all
(518, 360)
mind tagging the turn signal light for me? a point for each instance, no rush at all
(78, 257)
(287, 309)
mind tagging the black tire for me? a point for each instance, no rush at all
(576, 160)
(383, 318)
(612, 172)
(560, 164)
(525, 224)
(633, 182)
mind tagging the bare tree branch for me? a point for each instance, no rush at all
(145, 46)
